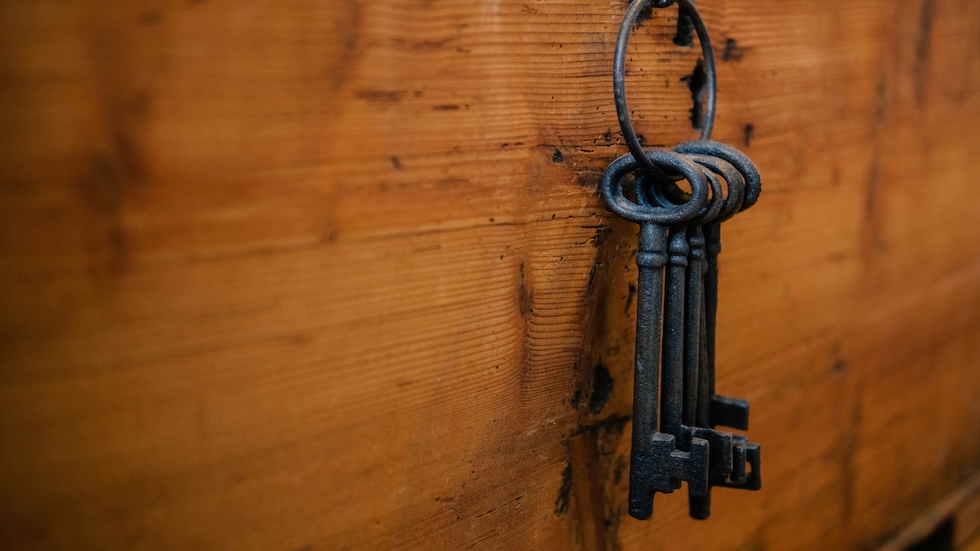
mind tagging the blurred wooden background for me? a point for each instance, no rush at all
(323, 274)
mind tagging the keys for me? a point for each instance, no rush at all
(678, 246)
(682, 292)
(720, 410)
(677, 237)
(727, 457)
(715, 410)
(656, 463)
(730, 467)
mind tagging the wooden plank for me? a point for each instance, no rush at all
(333, 275)
(955, 506)
(972, 545)
(966, 522)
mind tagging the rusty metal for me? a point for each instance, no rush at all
(677, 297)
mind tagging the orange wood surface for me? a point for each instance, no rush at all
(323, 275)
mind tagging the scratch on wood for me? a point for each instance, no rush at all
(524, 293)
(922, 48)
(747, 134)
(564, 491)
(732, 51)
(602, 387)
(696, 82)
(381, 96)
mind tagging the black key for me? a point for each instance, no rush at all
(720, 410)
(681, 324)
(655, 461)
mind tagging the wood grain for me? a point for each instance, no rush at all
(958, 509)
(335, 275)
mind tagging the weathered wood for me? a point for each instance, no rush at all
(966, 521)
(959, 507)
(335, 275)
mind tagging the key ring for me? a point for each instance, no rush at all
(619, 75)
(719, 204)
(612, 191)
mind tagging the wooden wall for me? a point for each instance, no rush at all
(324, 274)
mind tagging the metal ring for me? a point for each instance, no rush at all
(612, 189)
(734, 180)
(619, 76)
(649, 192)
(731, 203)
(741, 162)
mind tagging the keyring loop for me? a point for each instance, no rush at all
(648, 192)
(728, 204)
(753, 181)
(619, 76)
(612, 192)
(734, 181)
